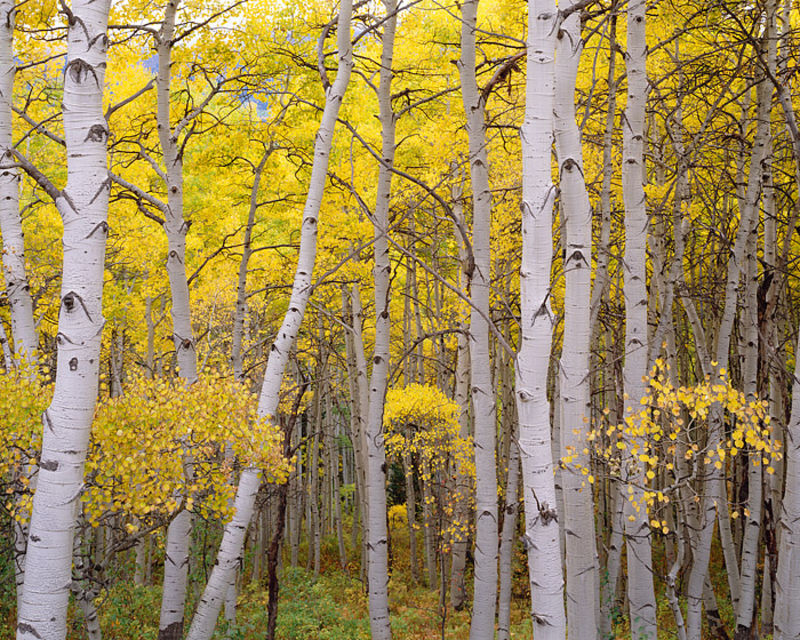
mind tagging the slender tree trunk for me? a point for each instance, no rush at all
(787, 583)
(641, 593)
(377, 547)
(458, 591)
(357, 411)
(752, 518)
(574, 390)
(507, 543)
(715, 503)
(176, 563)
(83, 205)
(363, 391)
(237, 357)
(230, 550)
(483, 397)
(314, 540)
(23, 327)
(536, 329)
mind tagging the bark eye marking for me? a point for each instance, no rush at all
(24, 627)
(97, 133)
(49, 465)
(79, 70)
(73, 364)
(100, 225)
(69, 302)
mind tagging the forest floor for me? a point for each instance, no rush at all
(333, 606)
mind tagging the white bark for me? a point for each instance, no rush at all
(574, 391)
(377, 546)
(83, 205)
(483, 397)
(787, 587)
(507, 543)
(463, 489)
(23, 328)
(536, 323)
(752, 518)
(230, 550)
(237, 336)
(641, 593)
(715, 493)
(176, 563)
(8, 361)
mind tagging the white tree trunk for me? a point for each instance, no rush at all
(715, 503)
(483, 397)
(752, 518)
(641, 593)
(377, 547)
(230, 549)
(507, 543)
(536, 324)
(787, 587)
(176, 562)
(463, 489)
(23, 328)
(574, 391)
(83, 205)
(237, 336)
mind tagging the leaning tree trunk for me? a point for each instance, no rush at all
(641, 593)
(231, 546)
(377, 546)
(536, 329)
(483, 397)
(574, 392)
(83, 205)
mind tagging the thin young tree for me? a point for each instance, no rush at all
(232, 544)
(377, 547)
(483, 397)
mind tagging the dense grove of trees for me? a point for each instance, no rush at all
(445, 284)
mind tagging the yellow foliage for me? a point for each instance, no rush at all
(164, 446)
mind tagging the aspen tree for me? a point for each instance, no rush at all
(377, 547)
(458, 593)
(536, 329)
(176, 559)
(641, 594)
(231, 546)
(483, 397)
(716, 499)
(787, 586)
(23, 327)
(83, 205)
(787, 578)
(574, 392)
(237, 335)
